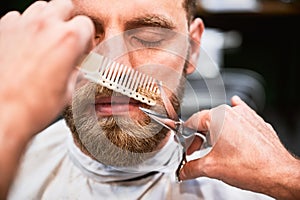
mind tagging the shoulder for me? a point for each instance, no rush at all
(53, 137)
(52, 134)
(43, 157)
(50, 143)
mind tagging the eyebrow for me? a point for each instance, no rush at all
(149, 21)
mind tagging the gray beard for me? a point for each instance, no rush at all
(117, 140)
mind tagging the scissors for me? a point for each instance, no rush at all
(185, 135)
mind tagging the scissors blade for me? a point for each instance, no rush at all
(161, 119)
(167, 103)
(185, 134)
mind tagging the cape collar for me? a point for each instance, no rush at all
(165, 160)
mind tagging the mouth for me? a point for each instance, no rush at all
(116, 105)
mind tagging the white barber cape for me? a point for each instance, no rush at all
(54, 168)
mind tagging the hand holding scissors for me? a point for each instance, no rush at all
(185, 135)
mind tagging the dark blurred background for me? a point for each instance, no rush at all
(269, 39)
(271, 47)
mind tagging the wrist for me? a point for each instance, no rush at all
(14, 125)
(285, 181)
(13, 139)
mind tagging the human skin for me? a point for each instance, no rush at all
(144, 36)
(39, 51)
(112, 20)
(247, 152)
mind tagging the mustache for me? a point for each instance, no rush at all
(85, 96)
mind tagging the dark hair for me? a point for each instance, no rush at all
(190, 7)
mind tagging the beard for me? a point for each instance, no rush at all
(117, 140)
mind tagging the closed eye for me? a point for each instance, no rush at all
(146, 43)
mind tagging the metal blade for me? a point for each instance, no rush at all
(161, 119)
(167, 103)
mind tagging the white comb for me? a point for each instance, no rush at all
(120, 78)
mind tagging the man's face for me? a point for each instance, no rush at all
(150, 36)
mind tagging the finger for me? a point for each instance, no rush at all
(199, 121)
(61, 9)
(237, 101)
(195, 146)
(35, 9)
(242, 108)
(248, 113)
(10, 17)
(80, 32)
(71, 85)
(193, 169)
(85, 27)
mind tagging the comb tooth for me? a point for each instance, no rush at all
(103, 66)
(105, 73)
(111, 69)
(152, 86)
(107, 69)
(141, 83)
(133, 82)
(127, 77)
(145, 82)
(137, 82)
(115, 72)
(148, 83)
(118, 78)
(123, 75)
(103, 59)
(130, 78)
(156, 91)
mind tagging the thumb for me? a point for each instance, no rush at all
(193, 169)
(71, 85)
(236, 100)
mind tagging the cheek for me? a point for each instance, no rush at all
(80, 81)
(162, 65)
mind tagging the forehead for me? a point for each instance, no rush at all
(118, 12)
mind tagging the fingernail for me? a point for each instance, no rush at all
(236, 98)
(181, 176)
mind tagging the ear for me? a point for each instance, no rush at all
(195, 33)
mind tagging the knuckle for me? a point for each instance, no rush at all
(38, 24)
(38, 6)
(40, 3)
(207, 167)
(71, 35)
(9, 16)
(195, 115)
(227, 107)
(224, 108)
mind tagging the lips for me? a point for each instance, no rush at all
(116, 105)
